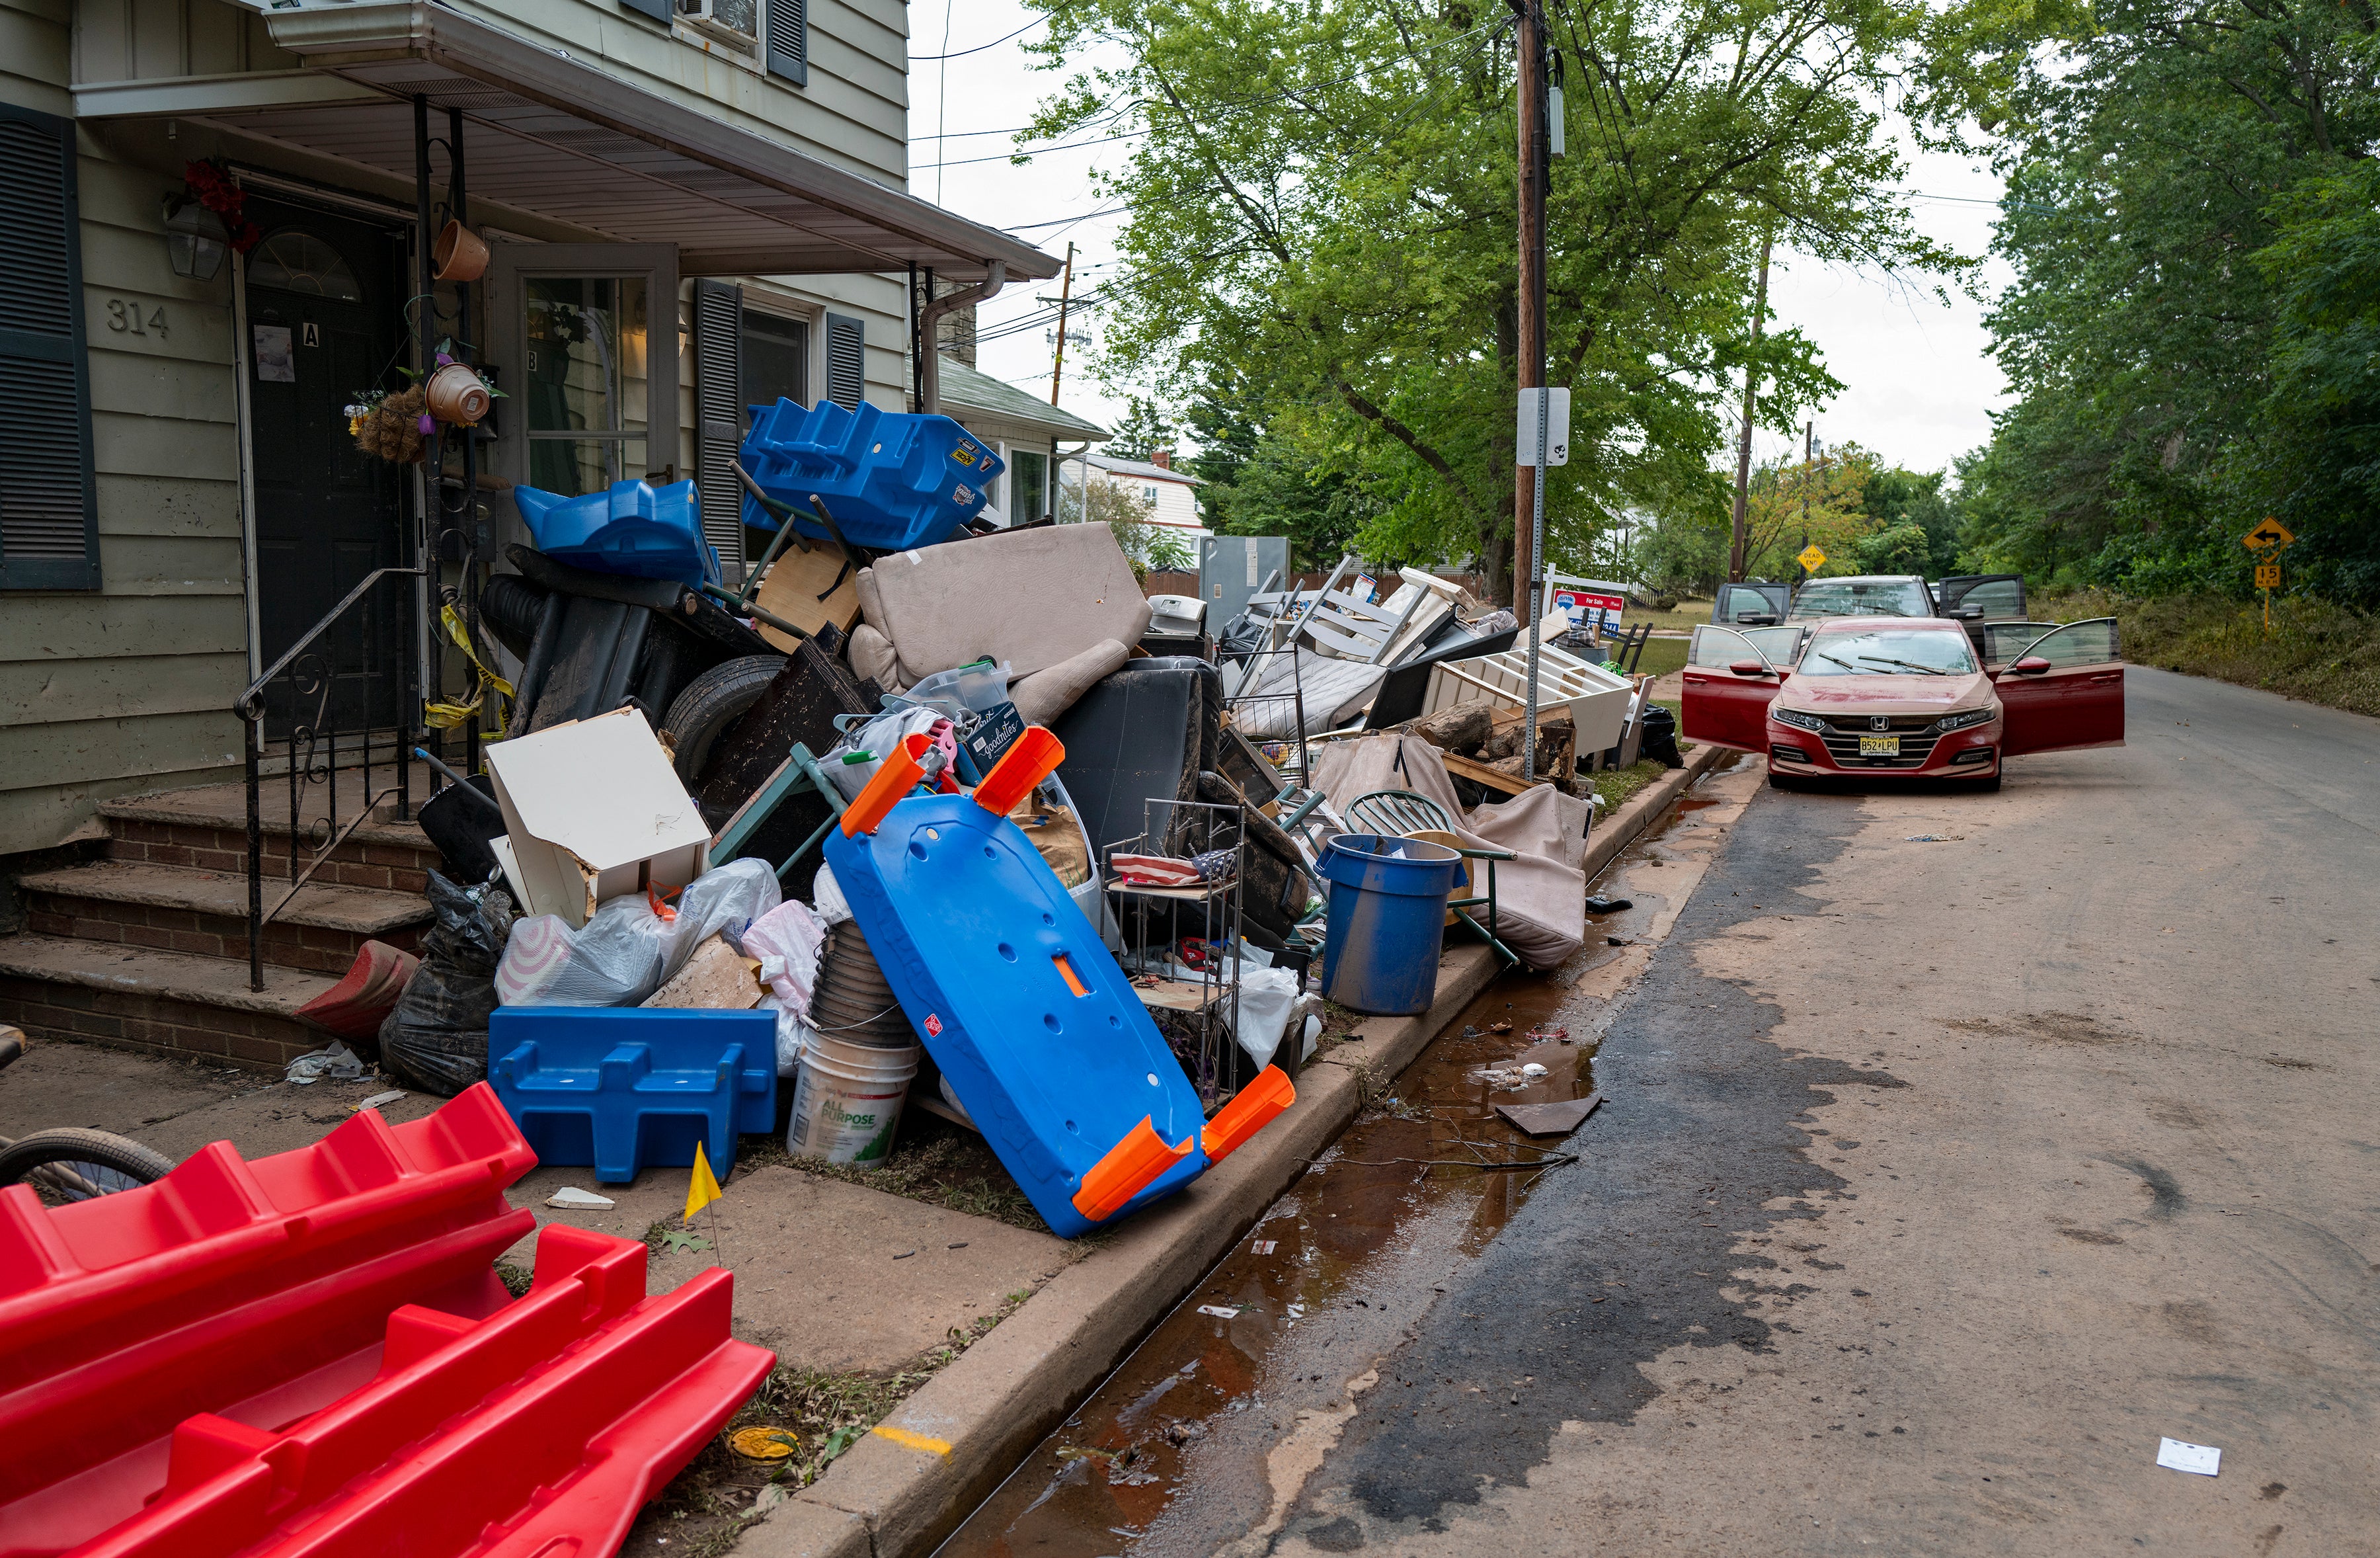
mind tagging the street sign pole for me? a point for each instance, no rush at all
(1537, 587)
(2268, 541)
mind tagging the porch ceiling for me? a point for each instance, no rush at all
(549, 134)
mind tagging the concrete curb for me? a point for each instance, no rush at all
(899, 1491)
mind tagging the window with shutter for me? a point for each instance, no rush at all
(655, 10)
(719, 420)
(49, 525)
(846, 362)
(789, 40)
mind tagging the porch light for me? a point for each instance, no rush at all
(196, 240)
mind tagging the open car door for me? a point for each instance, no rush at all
(1750, 604)
(2004, 641)
(1728, 685)
(1974, 600)
(2065, 690)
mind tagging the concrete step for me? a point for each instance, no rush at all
(204, 913)
(167, 1002)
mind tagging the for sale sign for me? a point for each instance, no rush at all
(1589, 602)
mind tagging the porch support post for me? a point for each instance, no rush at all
(459, 201)
(425, 349)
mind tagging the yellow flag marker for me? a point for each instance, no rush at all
(704, 1189)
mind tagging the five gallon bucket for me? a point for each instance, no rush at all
(848, 1101)
(1388, 912)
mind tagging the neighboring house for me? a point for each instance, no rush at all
(1024, 431)
(687, 214)
(1167, 490)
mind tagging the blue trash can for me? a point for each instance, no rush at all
(1388, 912)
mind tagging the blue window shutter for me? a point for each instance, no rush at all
(49, 508)
(653, 11)
(789, 40)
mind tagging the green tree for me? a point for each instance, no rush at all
(1146, 429)
(1322, 202)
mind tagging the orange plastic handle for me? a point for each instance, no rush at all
(1032, 758)
(1129, 1167)
(894, 778)
(1258, 1103)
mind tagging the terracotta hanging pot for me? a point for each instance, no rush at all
(456, 395)
(459, 254)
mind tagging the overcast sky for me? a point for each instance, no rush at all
(1918, 387)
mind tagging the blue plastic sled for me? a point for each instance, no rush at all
(621, 1089)
(892, 479)
(1040, 1034)
(631, 528)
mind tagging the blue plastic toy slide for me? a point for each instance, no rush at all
(1040, 1033)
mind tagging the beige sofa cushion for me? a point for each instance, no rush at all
(1030, 598)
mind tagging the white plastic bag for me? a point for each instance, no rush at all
(721, 902)
(617, 958)
(828, 894)
(1266, 997)
(786, 940)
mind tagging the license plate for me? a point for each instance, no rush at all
(1879, 746)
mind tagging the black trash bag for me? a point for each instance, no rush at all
(1660, 740)
(436, 1039)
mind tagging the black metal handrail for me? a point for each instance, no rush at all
(313, 744)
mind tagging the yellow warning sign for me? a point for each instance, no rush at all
(2268, 576)
(2269, 534)
(1812, 559)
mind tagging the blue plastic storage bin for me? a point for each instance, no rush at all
(628, 1087)
(892, 480)
(629, 528)
(1387, 913)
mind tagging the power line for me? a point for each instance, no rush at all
(962, 54)
(1032, 151)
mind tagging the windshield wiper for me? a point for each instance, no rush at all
(1830, 659)
(1906, 664)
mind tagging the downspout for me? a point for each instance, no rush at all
(929, 377)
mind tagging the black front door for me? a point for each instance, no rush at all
(322, 311)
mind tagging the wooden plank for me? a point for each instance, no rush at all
(152, 566)
(127, 686)
(55, 629)
(33, 755)
(44, 815)
(1177, 995)
(166, 506)
(717, 976)
(1479, 772)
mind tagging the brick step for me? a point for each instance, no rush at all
(204, 913)
(169, 831)
(167, 1002)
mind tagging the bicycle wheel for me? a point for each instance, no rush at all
(72, 1164)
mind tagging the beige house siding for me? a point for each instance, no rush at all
(129, 687)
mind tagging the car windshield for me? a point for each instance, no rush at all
(1859, 597)
(1889, 651)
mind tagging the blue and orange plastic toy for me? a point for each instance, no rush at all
(1038, 1033)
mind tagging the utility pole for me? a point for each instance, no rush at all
(1065, 292)
(1809, 447)
(1528, 485)
(1736, 560)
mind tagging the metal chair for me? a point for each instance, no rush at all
(1397, 813)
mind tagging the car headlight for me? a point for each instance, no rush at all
(1797, 719)
(1966, 718)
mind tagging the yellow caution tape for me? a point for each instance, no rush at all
(447, 716)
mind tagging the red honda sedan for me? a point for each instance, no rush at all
(1903, 695)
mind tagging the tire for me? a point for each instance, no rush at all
(1783, 780)
(1990, 786)
(711, 702)
(99, 1164)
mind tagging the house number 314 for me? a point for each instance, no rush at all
(123, 315)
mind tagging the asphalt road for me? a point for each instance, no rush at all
(1937, 1182)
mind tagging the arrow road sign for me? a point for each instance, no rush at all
(2269, 534)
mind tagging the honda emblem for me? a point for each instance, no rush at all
(1878, 722)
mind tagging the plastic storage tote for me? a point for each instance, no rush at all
(629, 528)
(892, 480)
(1388, 911)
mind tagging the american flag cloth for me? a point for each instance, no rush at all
(1154, 870)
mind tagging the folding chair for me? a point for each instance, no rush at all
(1396, 814)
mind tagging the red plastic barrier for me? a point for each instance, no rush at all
(310, 1354)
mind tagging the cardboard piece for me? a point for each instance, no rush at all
(716, 976)
(593, 810)
(791, 588)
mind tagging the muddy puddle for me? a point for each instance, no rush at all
(1178, 1452)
